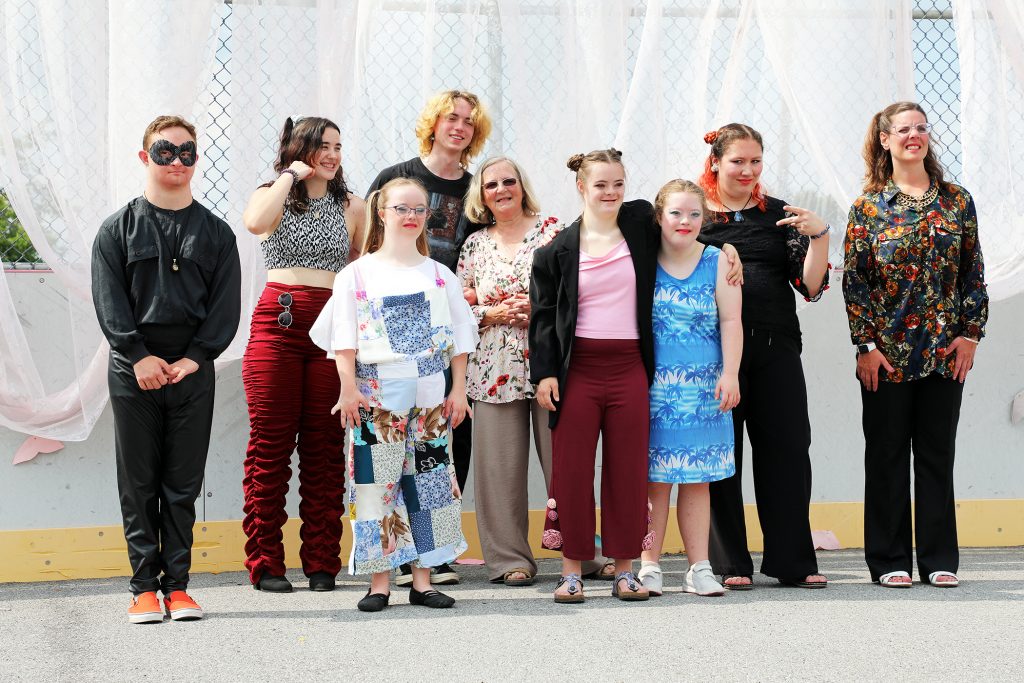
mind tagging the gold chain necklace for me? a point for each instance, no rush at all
(918, 203)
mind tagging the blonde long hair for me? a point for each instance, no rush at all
(375, 204)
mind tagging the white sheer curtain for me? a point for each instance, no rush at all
(990, 37)
(79, 81)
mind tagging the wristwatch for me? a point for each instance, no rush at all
(865, 348)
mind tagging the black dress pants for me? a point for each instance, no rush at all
(921, 415)
(161, 439)
(773, 406)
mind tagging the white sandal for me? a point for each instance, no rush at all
(886, 580)
(650, 577)
(934, 577)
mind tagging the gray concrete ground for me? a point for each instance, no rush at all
(77, 631)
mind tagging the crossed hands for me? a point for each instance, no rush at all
(153, 372)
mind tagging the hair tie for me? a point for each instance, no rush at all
(711, 137)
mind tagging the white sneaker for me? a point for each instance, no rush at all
(701, 580)
(650, 577)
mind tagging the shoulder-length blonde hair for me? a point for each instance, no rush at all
(475, 209)
(443, 104)
(375, 203)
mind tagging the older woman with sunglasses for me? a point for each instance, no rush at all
(496, 262)
(309, 226)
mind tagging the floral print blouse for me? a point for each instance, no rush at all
(499, 371)
(914, 280)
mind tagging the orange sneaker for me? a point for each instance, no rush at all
(145, 609)
(181, 607)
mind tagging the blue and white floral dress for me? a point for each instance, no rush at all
(691, 439)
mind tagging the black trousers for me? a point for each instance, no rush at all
(773, 406)
(921, 415)
(161, 440)
(462, 449)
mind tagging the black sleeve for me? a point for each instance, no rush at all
(224, 303)
(110, 294)
(544, 349)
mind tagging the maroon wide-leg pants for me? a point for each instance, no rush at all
(291, 386)
(605, 393)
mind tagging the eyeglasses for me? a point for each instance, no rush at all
(507, 182)
(403, 210)
(904, 131)
(284, 318)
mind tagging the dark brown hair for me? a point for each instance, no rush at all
(878, 160)
(720, 141)
(300, 140)
(163, 123)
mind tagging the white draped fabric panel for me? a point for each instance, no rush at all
(80, 80)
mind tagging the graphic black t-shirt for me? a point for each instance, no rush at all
(447, 225)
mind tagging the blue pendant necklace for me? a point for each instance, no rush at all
(737, 216)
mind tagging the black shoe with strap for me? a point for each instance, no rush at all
(373, 602)
(430, 598)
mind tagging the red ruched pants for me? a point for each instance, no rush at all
(291, 386)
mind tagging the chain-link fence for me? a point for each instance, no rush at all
(474, 59)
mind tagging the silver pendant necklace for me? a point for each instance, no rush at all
(737, 216)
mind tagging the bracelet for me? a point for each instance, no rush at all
(822, 233)
(294, 174)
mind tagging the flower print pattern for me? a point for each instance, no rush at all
(499, 371)
(914, 280)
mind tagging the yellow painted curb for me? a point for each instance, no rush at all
(99, 552)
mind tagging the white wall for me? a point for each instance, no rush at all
(76, 486)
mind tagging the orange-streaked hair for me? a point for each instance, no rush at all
(720, 141)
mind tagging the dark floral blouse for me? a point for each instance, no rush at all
(914, 280)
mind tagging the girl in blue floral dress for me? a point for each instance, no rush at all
(698, 341)
(395, 322)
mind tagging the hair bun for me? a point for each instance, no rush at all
(710, 137)
(574, 162)
(615, 154)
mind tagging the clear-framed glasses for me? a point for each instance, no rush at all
(904, 131)
(492, 185)
(402, 210)
(284, 318)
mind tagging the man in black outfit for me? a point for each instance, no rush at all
(166, 284)
(452, 129)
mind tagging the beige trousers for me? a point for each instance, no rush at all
(501, 458)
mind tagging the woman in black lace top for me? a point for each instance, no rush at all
(781, 247)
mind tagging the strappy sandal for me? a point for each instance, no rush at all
(934, 577)
(575, 594)
(527, 581)
(886, 580)
(634, 589)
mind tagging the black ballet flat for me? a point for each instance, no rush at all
(273, 584)
(431, 598)
(373, 602)
(321, 582)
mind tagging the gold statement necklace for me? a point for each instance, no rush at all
(918, 204)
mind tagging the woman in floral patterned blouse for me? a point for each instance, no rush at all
(496, 263)
(914, 284)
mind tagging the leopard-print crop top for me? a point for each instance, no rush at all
(315, 239)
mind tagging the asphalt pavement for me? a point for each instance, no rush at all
(853, 630)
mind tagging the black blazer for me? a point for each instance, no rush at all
(554, 294)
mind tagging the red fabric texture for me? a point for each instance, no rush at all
(291, 386)
(605, 393)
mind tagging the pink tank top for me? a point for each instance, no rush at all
(607, 296)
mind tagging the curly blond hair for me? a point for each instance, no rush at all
(443, 104)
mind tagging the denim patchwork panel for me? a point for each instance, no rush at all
(407, 318)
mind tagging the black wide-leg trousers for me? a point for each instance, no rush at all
(161, 440)
(773, 406)
(920, 416)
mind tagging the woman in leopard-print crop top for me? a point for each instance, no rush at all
(310, 227)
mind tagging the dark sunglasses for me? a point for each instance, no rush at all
(284, 318)
(507, 182)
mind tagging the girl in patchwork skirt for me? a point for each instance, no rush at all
(698, 341)
(396, 322)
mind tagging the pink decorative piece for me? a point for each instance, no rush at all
(551, 503)
(552, 515)
(33, 446)
(468, 560)
(825, 540)
(648, 543)
(552, 540)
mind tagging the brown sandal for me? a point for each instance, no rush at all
(527, 581)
